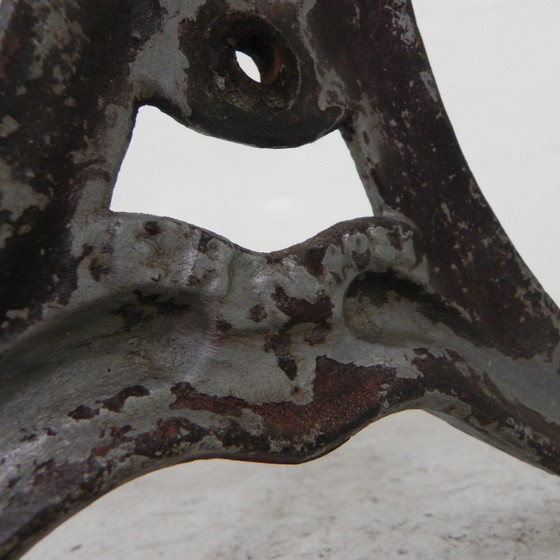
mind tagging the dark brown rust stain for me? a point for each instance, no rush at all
(279, 343)
(300, 310)
(396, 238)
(172, 435)
(221, 332)
(98, 270)
(275, 258)
(152, 228)
(28, 437)
(204, 241)
(361, 260)
(13, 481)
(83, 412)
(187, 397)
(288, 365)
(257, 313)
(223, 327)
(169, 435)
(117, 437)
(317, 335)
(115, 403)
(313, 260)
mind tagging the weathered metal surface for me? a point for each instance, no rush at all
(133, 342)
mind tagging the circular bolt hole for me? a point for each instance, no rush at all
(248, 66)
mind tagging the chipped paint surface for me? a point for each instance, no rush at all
(134, 342)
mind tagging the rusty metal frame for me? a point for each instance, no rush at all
(134, 342)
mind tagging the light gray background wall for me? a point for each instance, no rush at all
(408, 487)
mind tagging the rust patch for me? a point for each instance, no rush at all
(223, 327)
(203, 242)
(361, 260)
(302, 311)
(317, 335)
(346, 397)
(299, 311)
(187, 397)
(152, 228)
(117, 437)
(83, 412)
(395, 237)
(115, 403)
(280, 344)
(98, 270)
(257, 313)
(13, 481)
(167, 438)
(313, 260)
(28, 437)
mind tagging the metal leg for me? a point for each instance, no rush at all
(133, 342)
